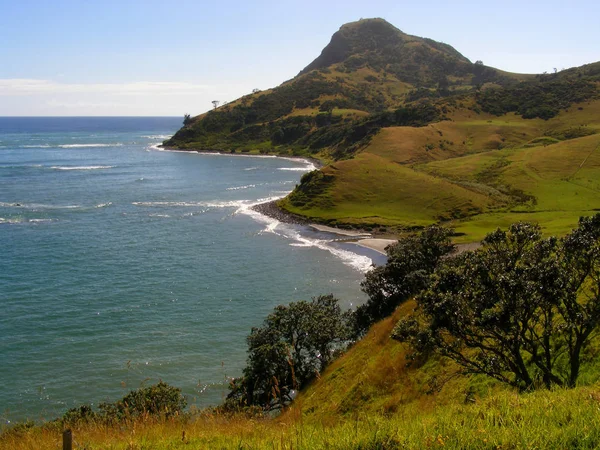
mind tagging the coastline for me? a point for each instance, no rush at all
(272, 210)
(377, 244)
(317, 163)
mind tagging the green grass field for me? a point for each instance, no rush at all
(474, 172)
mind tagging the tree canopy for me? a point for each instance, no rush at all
(295, 343)
(410, 263)
(520, 309)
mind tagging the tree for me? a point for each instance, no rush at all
(410, 262)
(187, 119)
(215, 103)
(520, 309)
(294, 345)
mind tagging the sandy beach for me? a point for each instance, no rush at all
(379, 245)
(339, 231)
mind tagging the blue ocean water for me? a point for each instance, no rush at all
(121, 264)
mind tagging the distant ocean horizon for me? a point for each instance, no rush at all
(123, 264)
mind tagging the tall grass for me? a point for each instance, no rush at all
(566, 419)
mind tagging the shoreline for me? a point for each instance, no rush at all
(361, 239)
(271, 209)
(317, 163)
(377, 244)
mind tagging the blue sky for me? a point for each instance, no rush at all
(132, 57)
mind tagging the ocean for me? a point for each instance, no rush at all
(122, 264)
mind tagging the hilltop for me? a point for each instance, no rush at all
(412, 133)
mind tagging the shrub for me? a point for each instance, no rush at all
(294, 345)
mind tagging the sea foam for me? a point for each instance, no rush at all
(158, 136)
(118, 144)
(358, 262)
(81, 167)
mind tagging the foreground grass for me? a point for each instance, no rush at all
(367, 399)
(545, 419)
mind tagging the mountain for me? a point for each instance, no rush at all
(397, 119)
(370, 66)
(376, 44)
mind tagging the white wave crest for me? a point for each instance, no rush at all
(23, 166)
(354, 260)
(213, 204)
(36, 206)
(103, 205)
(168, 204)
(251, 168)
(298, 169)
(81, 167)
(21, 220)
(158, 136)
(11, 220)
(156, 147)
(118, 144)
(237, 188)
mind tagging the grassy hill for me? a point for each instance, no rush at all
(414, 133)
(369, 67)
(474, 172)
(367, 399)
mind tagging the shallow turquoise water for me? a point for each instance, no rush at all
(122, 264)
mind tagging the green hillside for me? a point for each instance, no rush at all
(367, 399)
(474, 172)
(369, 67)
(414, 133)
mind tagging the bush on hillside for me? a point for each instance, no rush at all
(520, 309)
(543, 98)
(295, 344)
(159, 400)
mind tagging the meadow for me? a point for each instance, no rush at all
(473, 172)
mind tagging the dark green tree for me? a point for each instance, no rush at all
(410, 263)
(520, 309)
(294, 344)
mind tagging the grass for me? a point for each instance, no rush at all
(367, 399)
(542, 420)
(400, 195)
(474, 172)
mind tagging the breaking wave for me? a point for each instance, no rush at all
(118, 144)
(158, 136)
(81, 167)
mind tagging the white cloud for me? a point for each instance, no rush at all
(24, 86)
(23, 96)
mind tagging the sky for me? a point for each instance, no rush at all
(159, 58)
